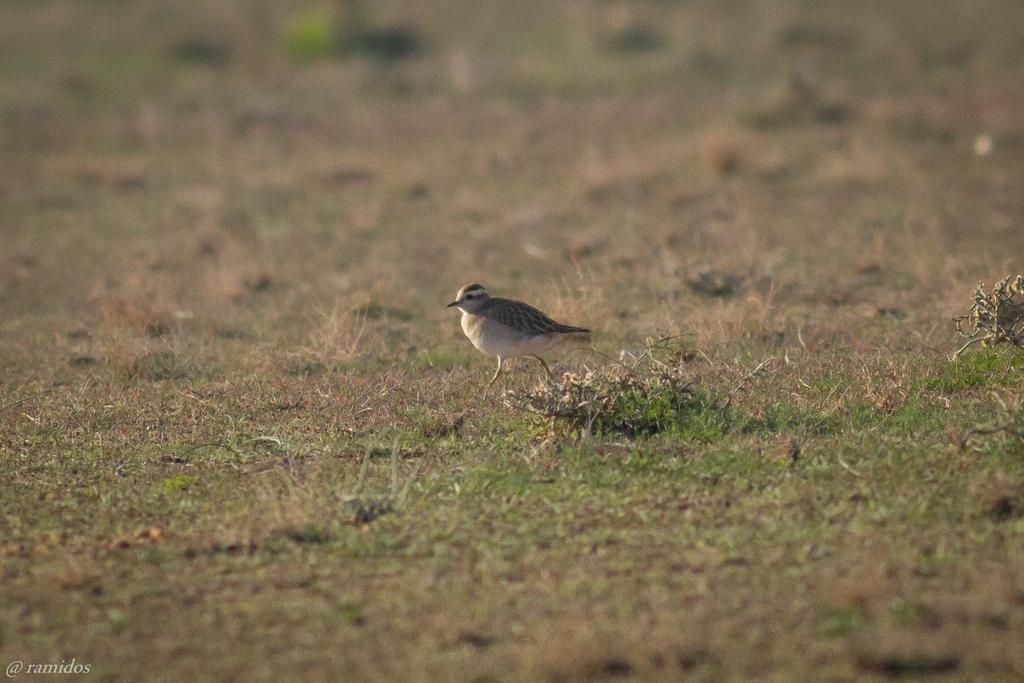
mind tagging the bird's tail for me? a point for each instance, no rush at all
(580, 334)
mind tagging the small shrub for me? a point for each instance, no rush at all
(996, 316)
(650, 395)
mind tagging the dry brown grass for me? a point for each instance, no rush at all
(887, 386)
(222, 290)
(996, 316)
(647, 392)
(337, 335)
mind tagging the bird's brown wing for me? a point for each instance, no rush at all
(526, 318)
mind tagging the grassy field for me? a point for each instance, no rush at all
(241, 437)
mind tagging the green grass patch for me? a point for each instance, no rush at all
(311, 36)
(978, 369)
(843, 621)
(179, 483)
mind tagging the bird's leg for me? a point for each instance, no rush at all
(496, 372)
(546, 368)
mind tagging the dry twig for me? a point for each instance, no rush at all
(996, 316)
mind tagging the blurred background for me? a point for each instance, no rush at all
(242, 164)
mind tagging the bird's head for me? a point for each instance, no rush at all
(470, 298)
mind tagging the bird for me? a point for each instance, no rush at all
(506, 328)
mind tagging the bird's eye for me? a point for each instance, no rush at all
(468, 296)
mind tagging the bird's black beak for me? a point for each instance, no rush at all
(454, 303)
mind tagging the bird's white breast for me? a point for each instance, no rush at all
(496, 339)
